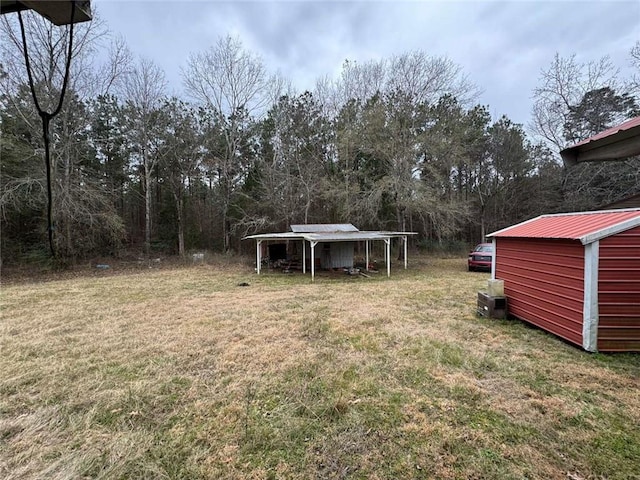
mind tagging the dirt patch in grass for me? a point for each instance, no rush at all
(180, 373)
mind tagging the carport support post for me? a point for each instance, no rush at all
(258, 259)
(366, 266)
(304, 257)
(385, 253)
(313, 258)
(387, 241)
(405, 252)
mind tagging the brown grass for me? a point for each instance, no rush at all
(181, 373)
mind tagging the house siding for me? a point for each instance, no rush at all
(544, 282)
(619, 292)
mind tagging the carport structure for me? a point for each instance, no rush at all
(615, 143)
(313, 235)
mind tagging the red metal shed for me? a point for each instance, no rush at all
(576, 275)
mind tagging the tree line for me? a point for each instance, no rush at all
(396, 144)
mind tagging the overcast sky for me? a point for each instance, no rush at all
(502, 46)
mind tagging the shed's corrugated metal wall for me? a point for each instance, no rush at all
(619, 292)
(332, 254)
(544, 282)
(340, 255)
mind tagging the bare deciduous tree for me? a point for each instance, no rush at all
(562, 86)
(634, 83)
(235, 84)
(145, 89)
(422, 77)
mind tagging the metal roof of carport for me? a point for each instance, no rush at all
(322, 237)
(57, 12)
(275, 236)
(324, 227)
(615, 143)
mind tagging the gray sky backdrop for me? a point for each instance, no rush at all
(502, 46)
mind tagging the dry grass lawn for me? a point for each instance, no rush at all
(181, 373)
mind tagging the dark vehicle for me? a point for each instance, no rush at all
(480, 258)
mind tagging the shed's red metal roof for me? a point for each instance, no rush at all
(584, 226)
